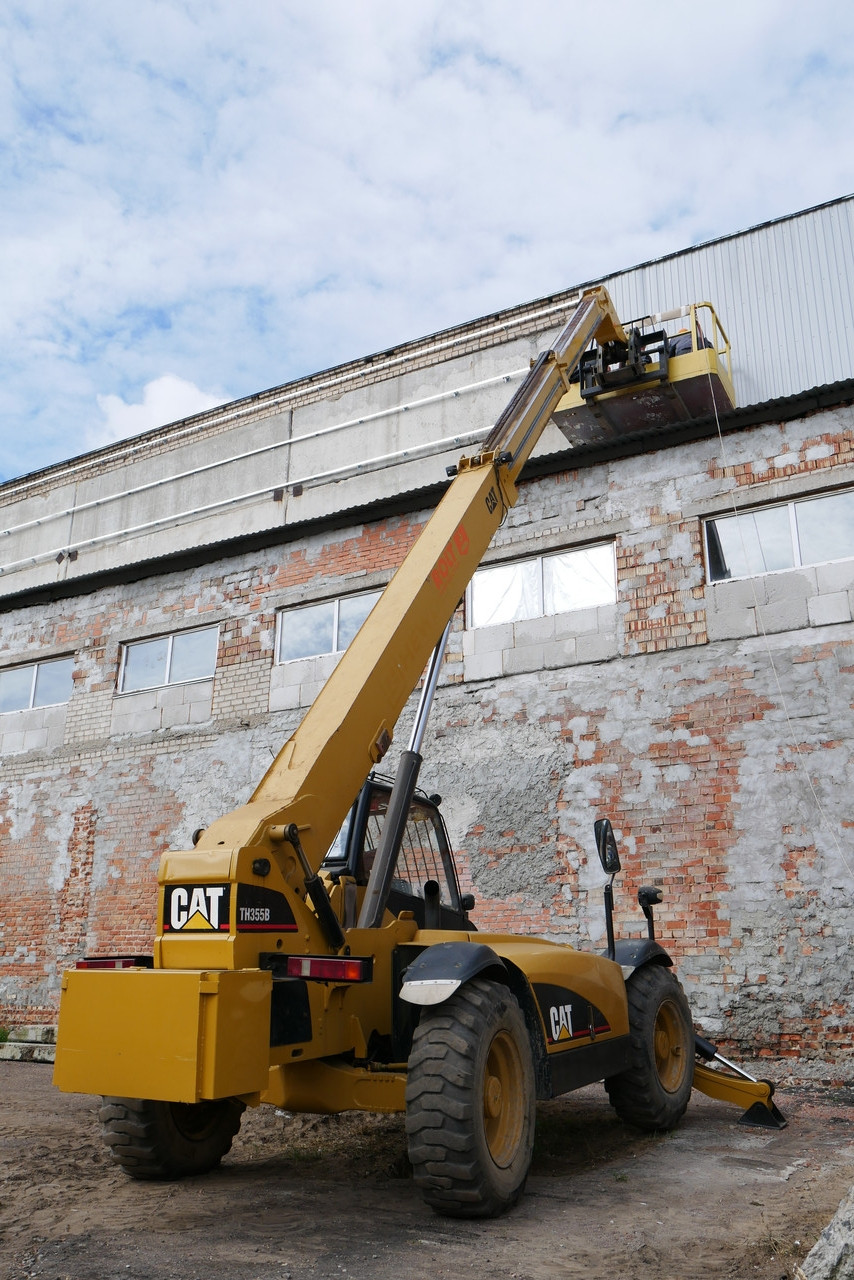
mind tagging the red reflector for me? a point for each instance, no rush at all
(329, 969)
(114, 962)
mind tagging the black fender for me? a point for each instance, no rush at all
(634, 953)
(440, 970)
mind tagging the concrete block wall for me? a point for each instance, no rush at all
(783, 601)
(148, 710)
(38, 729)
(297, 683)
(716, 742)
(558, 640)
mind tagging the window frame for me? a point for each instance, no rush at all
(539, 558)
(32, 705)
(169, 637)
(353, 850)
(789, 505)
(335, 602)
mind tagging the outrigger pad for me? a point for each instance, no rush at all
(762, 1116)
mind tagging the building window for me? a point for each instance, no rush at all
(39, 684)
(173, 659)
(811, 531)
(327, 627)
(543, 585)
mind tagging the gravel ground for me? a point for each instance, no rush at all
(311, 1198)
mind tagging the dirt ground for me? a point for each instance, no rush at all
(312, 1198)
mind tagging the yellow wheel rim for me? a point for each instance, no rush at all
(671, 1056)
(503, 1099)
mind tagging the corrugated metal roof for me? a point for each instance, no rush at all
(784, 292)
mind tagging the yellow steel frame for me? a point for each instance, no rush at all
(197, 1025)
(703, 362)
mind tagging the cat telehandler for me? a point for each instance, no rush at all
(315, 952)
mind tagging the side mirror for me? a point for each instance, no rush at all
(606, 845)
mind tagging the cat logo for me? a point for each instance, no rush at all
(560, 1019)
(196, 908)
(568, 1015)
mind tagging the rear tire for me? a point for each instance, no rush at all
(164, 1140)
(471, 1102)
(653, 1093)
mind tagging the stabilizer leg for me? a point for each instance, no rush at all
(764, 1115)
(741, 1088)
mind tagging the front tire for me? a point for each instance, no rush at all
(164, 1140)
(653, 1093)
(471, 1102)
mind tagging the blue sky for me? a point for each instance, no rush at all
(201, 200)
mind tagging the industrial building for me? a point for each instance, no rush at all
(661, 633)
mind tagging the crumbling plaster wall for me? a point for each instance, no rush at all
(713, 724)
(692, 759)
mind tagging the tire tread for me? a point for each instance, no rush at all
(143, 1140)
(637, 1094)
(444, 1148)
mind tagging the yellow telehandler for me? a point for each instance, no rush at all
(314, 949)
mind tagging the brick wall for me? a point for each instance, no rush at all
(712, 723)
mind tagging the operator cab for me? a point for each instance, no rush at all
(425, 878)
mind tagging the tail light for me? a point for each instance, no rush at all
(330, 968)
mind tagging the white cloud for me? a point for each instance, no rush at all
(245, 195)
(165, 399)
